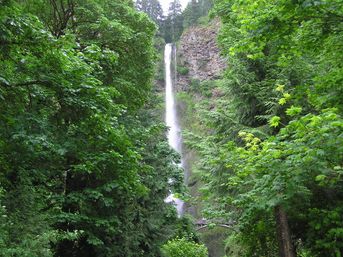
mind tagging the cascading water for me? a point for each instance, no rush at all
(174, 133)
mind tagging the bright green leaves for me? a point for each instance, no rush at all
(182, 247)
(284, 156)
(250, 140)
(284, 71)
(285, 95)
(274, 121)
(284, 99)
(293, 111)
(280, 88)
(320, 178)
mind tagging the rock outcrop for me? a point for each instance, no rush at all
(198, 59)
(198, 52)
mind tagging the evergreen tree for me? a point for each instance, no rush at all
(173, 26)
(194, 10)
(152, 8)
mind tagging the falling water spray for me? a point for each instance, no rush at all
(171, 119)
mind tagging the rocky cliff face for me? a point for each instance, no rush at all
(198, 53)
(198, 58)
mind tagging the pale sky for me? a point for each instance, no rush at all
(165, 4)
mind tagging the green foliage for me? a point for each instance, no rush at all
(293, 110)
(203, 21)
(194, 84)
(274, 121)
(173, 24)
(182, 70)
(181, 247)
(328, 223)
(177, 21)
(159, 46)
(84, 164)
(152, 8)
(196, 12)
(271, 129)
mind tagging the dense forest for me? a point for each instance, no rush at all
(84, 159)
(269, 132)
(85, 165)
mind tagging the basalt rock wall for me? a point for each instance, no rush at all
(199, 54)
(198, 60)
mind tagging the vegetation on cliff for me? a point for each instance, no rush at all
(271, 132)
(85, 166)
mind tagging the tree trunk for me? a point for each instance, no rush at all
(283, 233)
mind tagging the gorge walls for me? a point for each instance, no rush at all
(199, 64)
(198, 55)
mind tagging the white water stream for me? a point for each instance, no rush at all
(171, 119)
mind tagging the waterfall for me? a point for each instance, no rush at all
(171, 119)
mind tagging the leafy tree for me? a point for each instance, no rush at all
(271, 132)
(76, 176)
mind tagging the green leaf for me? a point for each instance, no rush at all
(274, 121)
(293, 110)
(320, 178)
(282, 101)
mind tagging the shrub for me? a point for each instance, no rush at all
(181, 247)
(182, 70)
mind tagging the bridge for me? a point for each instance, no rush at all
(203, 223)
